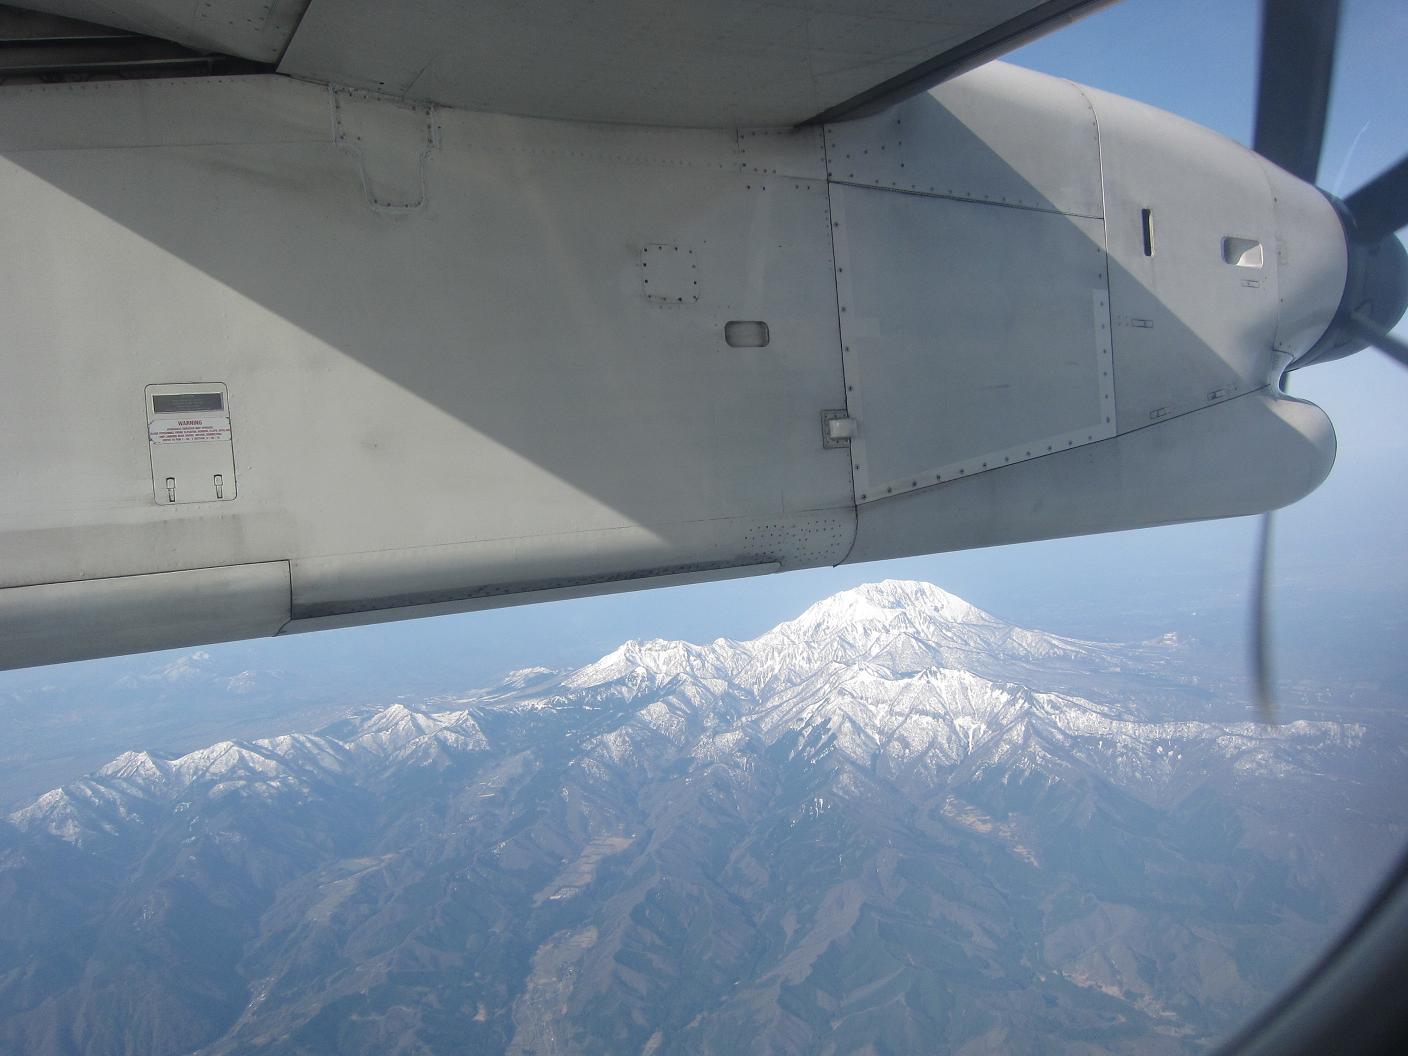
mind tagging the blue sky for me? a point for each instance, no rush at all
(1196, 58)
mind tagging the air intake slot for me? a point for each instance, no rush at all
(747, 333)
(1242, 252)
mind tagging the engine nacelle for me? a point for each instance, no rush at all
(283, 356)
(977, 226)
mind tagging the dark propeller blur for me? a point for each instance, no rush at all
(1298, 44)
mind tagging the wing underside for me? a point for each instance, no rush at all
(727, 63)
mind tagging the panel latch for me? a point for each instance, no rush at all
(838, 429)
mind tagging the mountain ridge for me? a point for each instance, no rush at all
(885, 824)
(865, 661)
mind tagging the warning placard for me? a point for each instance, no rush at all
(193, 430)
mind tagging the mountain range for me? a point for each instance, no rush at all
(895, 824)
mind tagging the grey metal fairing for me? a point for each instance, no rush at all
(473, 360)
(1195, 466)
(1242, 273)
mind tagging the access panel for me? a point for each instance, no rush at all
(974, 336)
(191, 443)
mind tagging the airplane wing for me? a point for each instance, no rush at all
(286, 355)
(681, 63)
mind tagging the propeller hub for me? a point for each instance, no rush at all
(1375, 289)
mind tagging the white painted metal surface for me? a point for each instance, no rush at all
(968, 140)
(956, 205)
(52, 622)
(453, 386)
(309, 623)
(251, 29)
(1027, 372)
(1310, 263)
(724, 64)
(662, 62)
(1241, 456)
(1190, 328)
(437, 403)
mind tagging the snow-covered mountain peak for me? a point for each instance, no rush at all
(904, 625)
(184, 669)
(135, 765)
(526, 676)
(889, 603)
(898, 680)
(657, 656)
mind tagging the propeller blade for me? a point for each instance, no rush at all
(1297, 59)
(1380, 207)
(1261, 626)
(1380, 338)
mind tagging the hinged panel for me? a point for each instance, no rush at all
(191, 443)
(669, 273)
(392, 140)
(974, 336)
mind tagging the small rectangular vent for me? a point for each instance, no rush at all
(1146, 222)
(1242, 252)
(747, 333)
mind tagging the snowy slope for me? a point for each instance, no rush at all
(905, 680)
